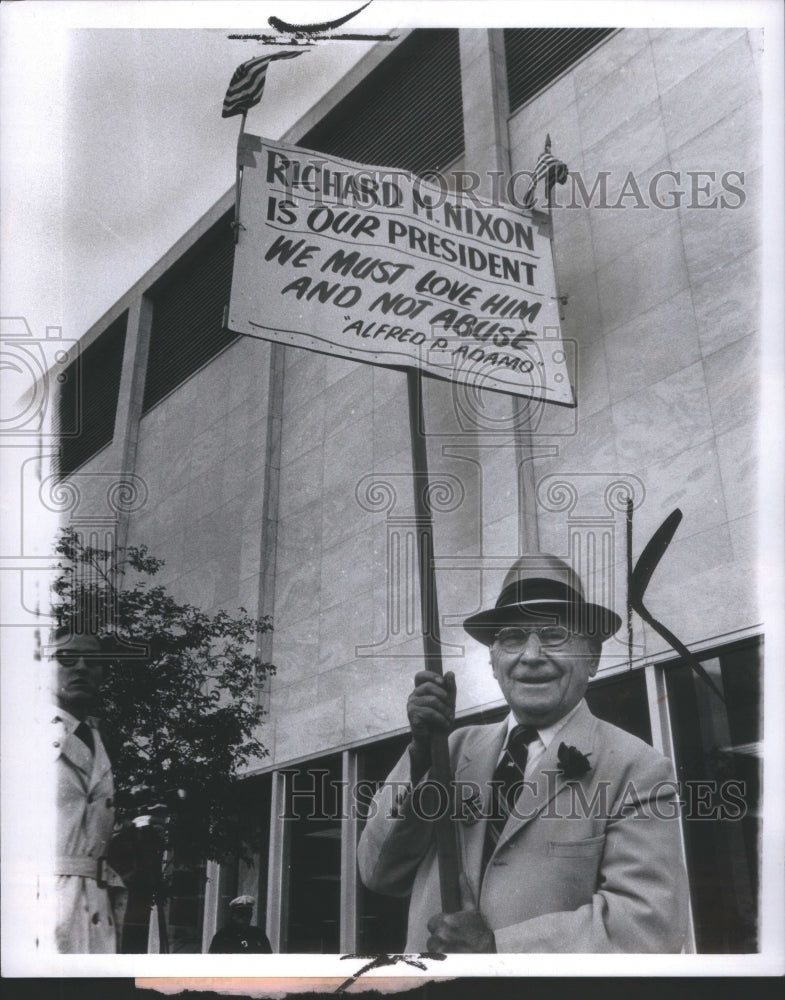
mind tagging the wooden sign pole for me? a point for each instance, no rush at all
(441, 772)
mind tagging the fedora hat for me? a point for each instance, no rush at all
(542, 587)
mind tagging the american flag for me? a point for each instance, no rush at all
(247, 85)
(554, 172)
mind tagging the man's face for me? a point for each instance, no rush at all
(242, 915)
(79, 669)
(540, 683)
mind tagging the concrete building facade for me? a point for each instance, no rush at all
(280, 480)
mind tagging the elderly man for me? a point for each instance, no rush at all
(568, 826)
(240, 936)
(90, 895)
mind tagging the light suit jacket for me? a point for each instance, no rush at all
(590, 864)
(87, 915)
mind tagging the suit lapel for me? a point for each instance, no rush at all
(479, 755)
(475, 766)
(544, 783)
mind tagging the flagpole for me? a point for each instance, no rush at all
(440, 772)
(238, 183)
(629, 580)
(245, 91)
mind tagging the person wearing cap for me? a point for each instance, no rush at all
(240, 935)
(90, 896)
(581, 852)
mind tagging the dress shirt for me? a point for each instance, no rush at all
(545, 736)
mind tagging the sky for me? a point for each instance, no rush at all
(112, 143)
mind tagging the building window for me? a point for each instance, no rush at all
(313, 811)
(246, 873)
(87, 398)
(407, 113)
(188, 310)
(537, 56)
(185, 908)
(622, 700)
(717, 749)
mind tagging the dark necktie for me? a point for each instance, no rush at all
(85, 734)
(506, 785)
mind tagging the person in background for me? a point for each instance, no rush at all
(240, 935)
(90, 895)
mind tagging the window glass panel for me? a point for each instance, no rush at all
(227, 891)
(186, 909)
(247, 873)
(718, 764)
(622, 701)
(314, 805)
(87, 398)
(406, 113)
(536, 56)
(188, 310)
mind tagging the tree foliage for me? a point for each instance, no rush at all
(179, 696)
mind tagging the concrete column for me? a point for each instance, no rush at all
(662, 739)
(131, 397)
(485, 105)
(348, 917)
(502, 420)
(272, 479)
(212, 898)
(278, 867)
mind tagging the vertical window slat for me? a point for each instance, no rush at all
(86, 404)
(188, 305)
(536, 56)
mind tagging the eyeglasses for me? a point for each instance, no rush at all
(513, 640)
(69, 660)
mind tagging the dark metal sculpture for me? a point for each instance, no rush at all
(639, 580)
(313, 29)
(307, 34)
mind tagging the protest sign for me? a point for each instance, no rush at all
(380, 266)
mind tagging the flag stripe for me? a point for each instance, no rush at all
(247, 84)
(549, 167)
(247, 88)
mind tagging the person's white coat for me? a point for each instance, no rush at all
(89, 914)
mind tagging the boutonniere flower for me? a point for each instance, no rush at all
(572, 763)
